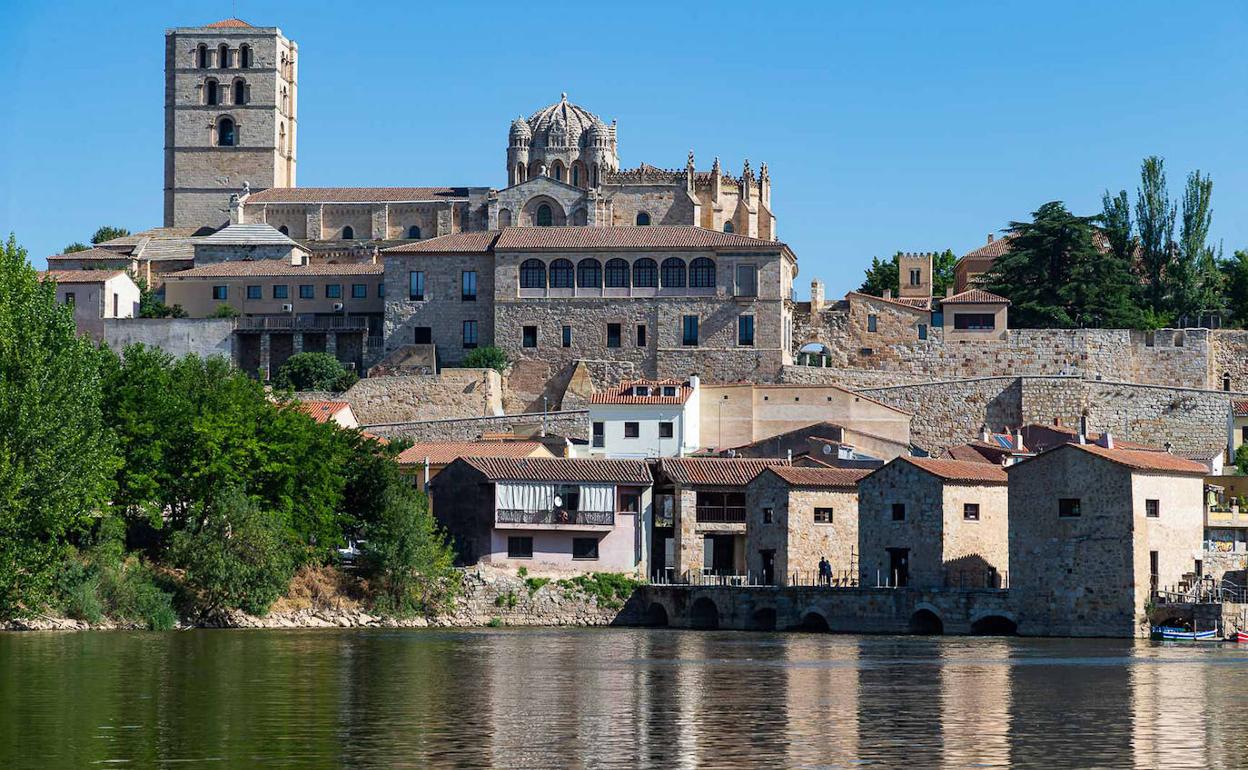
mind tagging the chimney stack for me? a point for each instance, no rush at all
(983, 433)
(1083, 428)
(1018, 439)
(1105, 440)
(888, 294)
(990, 237)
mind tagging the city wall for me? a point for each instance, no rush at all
(450, 394)
(571, 424)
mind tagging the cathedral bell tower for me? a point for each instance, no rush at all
(230, 104)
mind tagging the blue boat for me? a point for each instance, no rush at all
(1182, 634)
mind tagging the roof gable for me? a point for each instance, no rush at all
(561, 469)
(839, 478)
(715, 471)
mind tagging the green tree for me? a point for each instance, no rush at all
(488, 357)
(1235, 282)
(56, 459)
(1115, 221)
(880, 276)
(150, 303)
(311, 371)
(406, 555)
(108, 233)
(225, 311)
(1155, 215)
(1197, 283)
(943, 263)
(75, 247)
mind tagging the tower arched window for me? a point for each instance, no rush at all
(223, 56)
(285, 101)
(617, 274)
(561, 274)
(701, 273)
(413, 232)
(728, 228)
(533, 274)
(244, 56)
(576, 176)
(646, 273)
(348, 233)
(673, 273)
(284, 230)
(556, 170)
(545, 217)
(589, 274)
(227, 133)
(212, 92)
(643, 218)
(240, 92)
(201, 56)
(281, 138)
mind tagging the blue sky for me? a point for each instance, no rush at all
(887, 125)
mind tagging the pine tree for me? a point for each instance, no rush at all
(1155, 215)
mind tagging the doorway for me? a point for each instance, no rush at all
(768, 576)
(898, 567)
(717, 554)
(1153, 570)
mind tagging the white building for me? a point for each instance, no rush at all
(95, 294)
(645, 418)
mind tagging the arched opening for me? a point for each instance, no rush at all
(589, 274)
(561, 274)
(728, 228)
(763, 619)
(927, 623)
(646, 273)
(1226, 381)
(673, 273)
(285, 101)
(504, 218)
(643, 218)
(284, 230)
(703, 614)
(413, 232)
(201, 56)
(576, 175)
(519, 174)
(617, 273)
(656, 615)
(240, 91)
(579, 217)
(545, 217)
(556, 170)
(348, 233)
(702, 273)
(533, 274)
(814, 622)
(994, 625)
(212, 94)
(223, 56)
(281, 138)
(244, 56)
(227, 133)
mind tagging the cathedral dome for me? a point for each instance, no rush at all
(562, 124)
(599, 134)
(520, 130)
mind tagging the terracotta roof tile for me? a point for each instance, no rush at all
(978, 296)
(961, 471)
(356, 194)
(991, 250)
(625, 237)
(321, 411)
(231, 22)
(716, 471)
(444, 452)
(842, 478)
(1142, 460)
(569, 469)
(474, 242)
(276, 268)
(917, 305)
(623, 393)
(79, 276)
(89, 254)
(1240, 407)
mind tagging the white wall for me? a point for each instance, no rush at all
(647, 444)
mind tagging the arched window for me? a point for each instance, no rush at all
(223, 56)
(556, 170)
(561, 274)
(227, 133)
(211, 93)
(728, 228)
(413, 232)
(348, 233)
(589, 274)
(284, 230)
(201, 56)
(544, 217)
(504, 218)
(285, 101)
(643, 218)
(617, 274)
(240, 92)
(673, 273)
(646, 273)
(532, 274)
(519, 173)
(244, 56)
(576, 176)
(701, 273)
(281, 138)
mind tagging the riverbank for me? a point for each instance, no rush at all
(487, 598)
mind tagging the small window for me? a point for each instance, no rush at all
(307, 291)
(922, 331)
(974, 322)
(545, 216)
(745, 330)
(567, 336)
(223, 57)
(641, 335)
(1150, 339)
(584, 548)
(630, 501)
(359, 291)
(689, 330)
(769, 515)
(1226, 382)
(244, 56)
(915, 277)
(899, 511)
(747, 281)
(284, 230)
(728, 228)
(201, 57)
(520, 547)
(530, 337)
(641, 390)
(970, 511)
(470, 335)
(220, 292)
(211, 93)
(348, 233)
(413, 232)
(1152, 509)
(1243, 434)
(468, 286)
(613, 335)
(823, 515)
(226, 133)
(643, 218)
(1068, 507)
(281, 291)
(71, 298)
(632, 429)
(600, 435)
(254, 292)
(422, 335)
(873, 322)
(333, 290)
(666, 430)
(381, 291)
(416, 286)
(240, 92)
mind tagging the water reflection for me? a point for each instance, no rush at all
(614, 698)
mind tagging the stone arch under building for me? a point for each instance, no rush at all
(926, 622)
(703, 614)
(533, 208)
(763, 619)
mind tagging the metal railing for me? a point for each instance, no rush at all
(514, 516)
(1203, 591)
(721, 514)
(301, 323)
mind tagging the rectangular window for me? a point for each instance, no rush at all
(359, 291)
(281, 291)
(416, 286)
(254, 292)
(567, 336)
(70, 297)
(613, 335)
(520, 547)
(116, 304)
(922, 331)
(747, 281)
(873, 321)
(307, 291)
(600, 437)
(468, 286)
(641, 335)
(899, 511)
(584, 548)
(470, 334)
(769, 515)
(1152, 508)
(333, 290)
(745, 330)
(632, 430)
(422, 335)
(381, 290)
(666, 430)
(974, 322)
(220, 292)
(914, 277)
(530, 337)
(689, 330)
(823, 515)
(970, 511)
(1068, 507)
(630, 501)
(1243, 434)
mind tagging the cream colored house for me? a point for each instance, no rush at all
(277, 287)
(95, 294)
(975, 314)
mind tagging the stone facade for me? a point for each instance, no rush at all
(450, 394)
(573, 424)
(797, 540)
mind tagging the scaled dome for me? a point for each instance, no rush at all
(520, 130)
(565, 120)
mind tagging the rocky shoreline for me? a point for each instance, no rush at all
(488, 598)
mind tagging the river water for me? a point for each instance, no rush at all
(589, 698)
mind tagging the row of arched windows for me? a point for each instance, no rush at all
(589, 274)
(348, 232)
(214, 93)
(204, 58)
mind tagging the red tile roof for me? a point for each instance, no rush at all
(480, 241)
(1240, 407)
(917, 305)
(993, 249)
(231, 22)
(625, 237)
(79, 276)
(275, 268)
(960, 471)
(321, 411)
(569, 469)
(841, 478)
(356, 194)
(90, 254)
(1142, 460)
(444, 452)
(623, 393)
(977, 296)
(716, 471)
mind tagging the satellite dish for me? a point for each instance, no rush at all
(558, 501)
(827, 449)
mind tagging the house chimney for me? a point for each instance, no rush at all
(888, 294)
(948, 291)
(816, 296)
(983, 433)
(1018, 439)
(990, 237)
(1083, 428)
(1057, 422)
(693, 382)
(1105, 440)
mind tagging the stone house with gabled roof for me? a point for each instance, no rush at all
(934, 523)
(975, 314)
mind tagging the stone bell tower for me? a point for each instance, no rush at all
(230, 105)
(914, 275)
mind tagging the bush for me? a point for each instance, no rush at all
(488, 357)
(610, 590)
(225, 311)
(406, 556)
(103, 582)
(313, 371)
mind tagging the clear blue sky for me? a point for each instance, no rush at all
(911, 126)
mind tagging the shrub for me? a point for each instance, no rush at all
(406, 556)
(488, 357)
(609, 589)
(225, 311)
(312, 371)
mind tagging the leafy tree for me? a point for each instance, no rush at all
(1241, 460)
(1197, 283)
(880, 276)
(74, 247)
(310, 371)
(150, 303)
(943, 263)
(1155, 215)
(1115, 222)
(488, 357)
(108, 233)
(225, 311)
(56, 459)
(1235, 282)
(406, 556)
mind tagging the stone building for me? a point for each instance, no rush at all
(1094, 529)
(931, 523)
(797, 516)
(247, 243)
(975, 314)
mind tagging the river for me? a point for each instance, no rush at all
(591, 698)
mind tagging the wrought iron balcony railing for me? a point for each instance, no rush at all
(560, 517)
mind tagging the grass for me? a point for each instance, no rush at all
(508, 600)
(609, 589)
(495, 622)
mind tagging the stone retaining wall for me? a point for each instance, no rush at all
(453, 393)
(570, 424)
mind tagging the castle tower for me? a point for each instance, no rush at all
(230, 104)
(914, 275)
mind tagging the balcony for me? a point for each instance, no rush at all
(507, 518)
(1226, 518)
(291, 323)
(721, 514)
